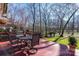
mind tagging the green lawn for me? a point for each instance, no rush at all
(63, 41)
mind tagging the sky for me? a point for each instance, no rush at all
(24, 6)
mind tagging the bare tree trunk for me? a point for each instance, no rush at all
(67, 23)
(77, 26)
(61, 25)
(34, 18)
(40, 16)
(68, 28)
(45, 29)
(73, 26)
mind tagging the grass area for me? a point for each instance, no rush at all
(77, 43)
(63, 40)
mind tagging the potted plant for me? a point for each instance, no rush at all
(72, 46)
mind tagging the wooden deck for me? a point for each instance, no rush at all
(49, 49)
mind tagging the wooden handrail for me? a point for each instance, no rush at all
(3, 32)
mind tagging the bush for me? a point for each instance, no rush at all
(72, 41)
(2, 30)
(50, 33)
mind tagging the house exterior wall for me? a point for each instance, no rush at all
(1, 8)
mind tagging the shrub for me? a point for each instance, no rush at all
(72, 41)
(2, 30)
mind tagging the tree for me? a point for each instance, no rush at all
(46, 17)
(67, 23)
(60, 13)
(73, 25)
(33, 17)
(40, 15)
(32, 12)
(12, 13)
(77, 23)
